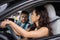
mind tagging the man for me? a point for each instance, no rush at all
(24, 20)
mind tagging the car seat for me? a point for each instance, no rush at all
(52, 15)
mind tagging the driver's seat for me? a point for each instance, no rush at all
(52, 14)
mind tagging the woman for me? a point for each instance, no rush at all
(40, 27)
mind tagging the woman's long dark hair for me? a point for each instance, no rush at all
(44, 18)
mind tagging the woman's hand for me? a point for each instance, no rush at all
(3, 24)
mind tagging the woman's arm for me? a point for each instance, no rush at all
(16, 32)
(32, 34)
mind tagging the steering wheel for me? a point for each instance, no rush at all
(5, 37)
(2, 37)
(12, 32)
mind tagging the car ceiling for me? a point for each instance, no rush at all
(9, 1)
(15, 1)
(5, 1)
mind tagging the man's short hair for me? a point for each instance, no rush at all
(25, 12)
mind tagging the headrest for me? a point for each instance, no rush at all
(51, 11)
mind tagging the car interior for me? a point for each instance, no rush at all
(53, 12)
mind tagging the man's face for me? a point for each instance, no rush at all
(24, 18)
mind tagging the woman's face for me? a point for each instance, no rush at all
(34, 17)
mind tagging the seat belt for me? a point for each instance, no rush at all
(53, 20)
